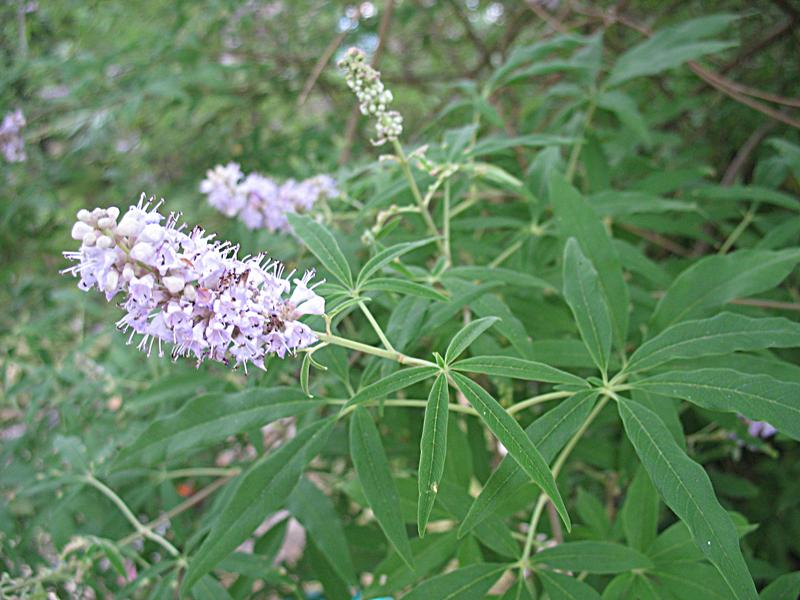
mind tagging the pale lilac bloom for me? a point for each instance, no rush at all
(259, 201)
(222, 187)
(11, 143)
(191, 291)
(760, 429)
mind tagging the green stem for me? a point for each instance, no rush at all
(446, 224)
(739, 230)
(557, 466)
(128, 514)
(426, 215)
(381, 335)
(578, 145)
(505, 254)
(394, 355)
(406, 403)
(515, 408)
(199, 472)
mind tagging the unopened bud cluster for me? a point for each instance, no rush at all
(259, 201)
(188, 290)
(11, 143)
(373, 97)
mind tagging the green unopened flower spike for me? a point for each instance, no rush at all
(373, 97)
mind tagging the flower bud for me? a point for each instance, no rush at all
(80, 229)
(84, 215)
(105, 223)
(173, 284)
(104, 242)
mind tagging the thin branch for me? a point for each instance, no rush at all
(318, 68)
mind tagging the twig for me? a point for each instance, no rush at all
(744, 153)
(657, 239)
(318, 68)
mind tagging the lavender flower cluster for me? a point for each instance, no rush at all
(188, 290)
(11, 143)
(259, 201)
(373, 97)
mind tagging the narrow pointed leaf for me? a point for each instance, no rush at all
(208, 419)
(564, 587)
(549, 432)
(468, 334)
(385, 256)
(602, 558)
(757, 397)
(322, 245)
(716, 280)
(517, 368)
(640, 512)
(405, 287)
(391, 383)
(467, 583)
(686, 489)
(577, 218)
(722, 334)
(317, 514)
(372, 468)
(433, 448)
(585, 298)
(511, 435)
(263, 489)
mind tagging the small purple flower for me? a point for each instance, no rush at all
(11, 143)
(760, 429)
(191, 291)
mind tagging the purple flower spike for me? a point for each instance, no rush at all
(189, 290)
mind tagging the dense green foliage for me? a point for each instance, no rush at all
(553, 306)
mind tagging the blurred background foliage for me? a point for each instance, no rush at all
(126, 97)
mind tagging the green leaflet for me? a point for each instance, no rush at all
(372, 468)
(686, 489)
(593, 557)
(577, 218)
(564, 587)
(468, 334)
(391, 383)
(716, 280)
(517, 368)
(433, 448)
(722, 334)
(467, 583)
(585, 298)
(261, 490)
(322, 245)
(671, 47)
(640, 512)
(316, 513)
(211, 418)
(385, 256)
(511, 435)
(549, 432)
(757, 397)
(402, 286)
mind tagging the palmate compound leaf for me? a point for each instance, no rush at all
(211, 418)
(549, 433)
(433, 448)
(686, 489)
(372, 468)
(724, 333)
(757, 397)
(511, 435)
(262, 489)
(583, 293)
